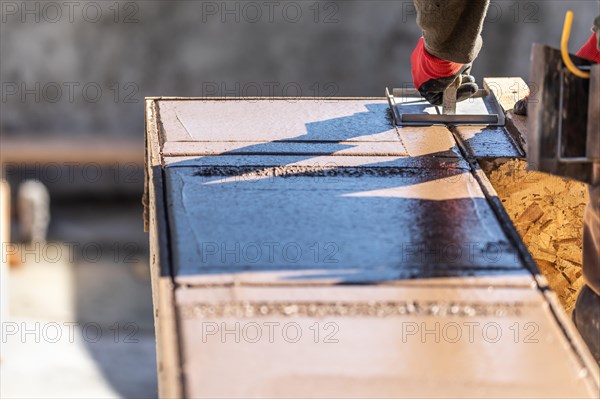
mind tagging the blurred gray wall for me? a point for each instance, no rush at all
(84, 68)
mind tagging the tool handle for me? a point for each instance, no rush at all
(449, 100)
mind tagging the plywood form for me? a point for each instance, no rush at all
(548, 214)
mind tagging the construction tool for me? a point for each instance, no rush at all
(449, 99)
(409, 108)
(564, 113)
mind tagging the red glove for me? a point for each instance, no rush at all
(589, 51)
(432, 75)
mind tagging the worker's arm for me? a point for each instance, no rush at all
(452, 28)
(451, 41)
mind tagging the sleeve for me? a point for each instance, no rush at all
(452, 28)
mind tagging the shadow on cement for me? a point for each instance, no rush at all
(409, 217)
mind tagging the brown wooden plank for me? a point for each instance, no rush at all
(167, 339)
(68, 150)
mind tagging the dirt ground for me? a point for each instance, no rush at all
(548, 213)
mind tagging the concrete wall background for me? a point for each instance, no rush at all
(54, 58)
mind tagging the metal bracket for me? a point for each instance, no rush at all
(563, 117)
(409, 108)
(590, 156)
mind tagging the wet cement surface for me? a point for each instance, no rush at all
(374, 341)
(308, 238)
(332, 188)
(360, 228)
(270, 120)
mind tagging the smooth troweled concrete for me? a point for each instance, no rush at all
(355, 227)
(375, 341)
(487, 142)
(310, 249)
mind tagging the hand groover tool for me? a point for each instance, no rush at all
(409, 108)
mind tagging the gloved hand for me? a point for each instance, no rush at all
(520, 107)
(432, 75)
(589, 51)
